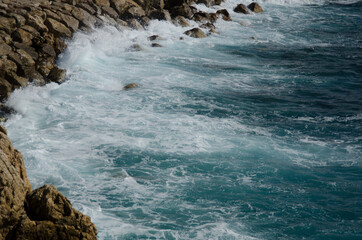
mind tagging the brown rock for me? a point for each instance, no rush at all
(205, 17)
(207, 3)
(4, 49)
(48, 50)
(57, 75)
(88, 8)
(110, 12)
(255, 7)
(22, 36)
(224, 14)
(85, 19)
(4, 37)
(5, 90)
(133, 23)
(123, 6)
(102, 2)
(26, 59)
(241, 8)
(20, 20)
(57, 28)
(181, 21)
(195, 33)
(37, 22)
(29, 50)
(7, 24)
(183, 10)
(69, 21)
(7, 65)
(16, 80)
(160, 15)
(134, 12)
(130, 86)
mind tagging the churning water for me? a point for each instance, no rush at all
(253, 133)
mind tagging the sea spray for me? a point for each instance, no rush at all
(253, 133)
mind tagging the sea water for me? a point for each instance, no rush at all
(252, 133)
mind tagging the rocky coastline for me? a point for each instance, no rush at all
(32, 35)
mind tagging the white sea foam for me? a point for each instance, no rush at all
(82, 135)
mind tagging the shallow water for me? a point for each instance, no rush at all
(254, 133)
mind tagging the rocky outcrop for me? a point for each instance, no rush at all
(44, 213)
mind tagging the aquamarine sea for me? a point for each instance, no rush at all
(252, 133)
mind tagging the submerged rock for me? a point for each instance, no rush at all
(130, 86)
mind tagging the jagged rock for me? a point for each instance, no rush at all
(110, 12)
(5, 89)
(224, 14)
(7, 24)
(36, 21)
(16, 80)
(85, 19)
(195, 33)
(29, 50)
(241, 8)
(181, 21)
(57, 28)
(160, 15)
(183, 10)
(7, 65)
(127, 8)
(69, 21)
(255, 7)
(4, 49)
(205, 17)
(22, 36)
(57, 75)
(134, 24)
(130, 86)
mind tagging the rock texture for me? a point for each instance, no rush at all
(40, 214)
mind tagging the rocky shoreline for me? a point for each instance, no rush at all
(32, 35)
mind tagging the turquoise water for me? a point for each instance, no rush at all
(254, 133)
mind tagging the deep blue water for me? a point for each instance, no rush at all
(227, 137)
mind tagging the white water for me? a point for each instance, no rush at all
(107, 148)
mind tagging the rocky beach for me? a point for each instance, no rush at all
(32, 35)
